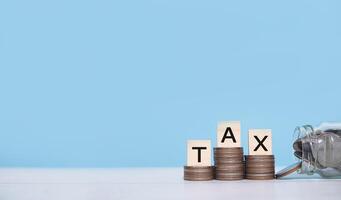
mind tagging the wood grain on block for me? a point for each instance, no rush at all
(199, 153)
(228, 134)
(260, 142)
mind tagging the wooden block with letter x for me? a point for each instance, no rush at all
(199, 153)
(260, 142)
(228, 134)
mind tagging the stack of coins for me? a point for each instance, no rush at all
(260, 167)
(198, 173)
(229, 163)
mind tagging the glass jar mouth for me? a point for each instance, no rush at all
(303, 137)
(303, 131)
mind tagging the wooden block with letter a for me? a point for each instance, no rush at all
(228, 134)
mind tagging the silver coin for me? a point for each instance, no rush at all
(289, 170)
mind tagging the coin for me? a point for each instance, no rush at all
(253, 177)
(228, 155)
(230, 166)
(259, 157)
(229, 178)
(259, 164)
(288, 170)
(260, 160)
(230, 175)
(223, 163)
(260, 170)
(198, 173)
(229, 163)
(198, 178)
(298, 154)
(259, 167)
(228, 149)
(198, 169)
(222, 159)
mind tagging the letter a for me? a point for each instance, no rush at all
(228, 134)
(228, 130)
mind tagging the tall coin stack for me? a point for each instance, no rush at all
(229, 163)
(260, 167)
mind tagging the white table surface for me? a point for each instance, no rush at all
(152, 183)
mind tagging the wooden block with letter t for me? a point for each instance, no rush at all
(199, 153)
(260, 142)
(228, 134)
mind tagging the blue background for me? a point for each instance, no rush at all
(127, 83)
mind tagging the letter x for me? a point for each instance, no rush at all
(260, 143)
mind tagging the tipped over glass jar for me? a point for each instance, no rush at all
(318, 150)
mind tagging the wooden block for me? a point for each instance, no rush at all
(260, 142)
(228, 134)
(199, 153)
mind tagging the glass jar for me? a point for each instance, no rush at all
(319, 149)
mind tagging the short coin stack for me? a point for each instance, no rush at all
(229, 163)
(198, 173)
(260, 167)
